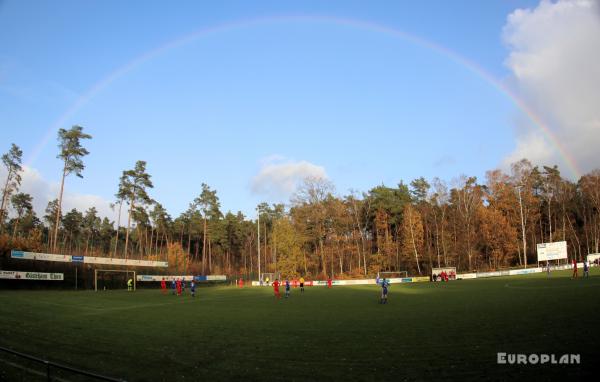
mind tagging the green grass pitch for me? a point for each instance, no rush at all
(450, 330)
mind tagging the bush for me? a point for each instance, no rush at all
(32, 243)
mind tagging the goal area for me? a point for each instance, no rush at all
(113, 279)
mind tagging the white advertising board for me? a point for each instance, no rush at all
(115, 261)
(394, 280)
(86, 259)
(181, 277)
(490, 274)
(104, 260)
(466, 276)
(165, 277)
(16, 275)
(593, 257)
(527, 271)
(564, 266)
(40, 256)
(552, 251)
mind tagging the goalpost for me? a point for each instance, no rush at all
(113, 279)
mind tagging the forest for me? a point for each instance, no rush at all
(468, 223)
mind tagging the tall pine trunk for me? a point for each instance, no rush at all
(128, 228)
(15, 227)
(412, 237)
(209, 257)
(59, 206)
(118, 226)
(4, 198)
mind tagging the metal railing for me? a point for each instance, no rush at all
(49, 365)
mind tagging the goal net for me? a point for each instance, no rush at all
(268, 278)
(113, 279)
(450, 272)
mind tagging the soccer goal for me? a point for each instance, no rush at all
(268, 278)
(450, 272)
(113, 279)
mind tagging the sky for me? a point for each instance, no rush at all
(251, 97)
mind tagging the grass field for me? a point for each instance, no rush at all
(451, 330)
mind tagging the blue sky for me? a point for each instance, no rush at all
(293, 93)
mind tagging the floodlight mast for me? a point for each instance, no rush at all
(258, 243)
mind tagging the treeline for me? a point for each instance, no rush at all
(411, 227)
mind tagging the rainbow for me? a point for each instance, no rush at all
(353, 23)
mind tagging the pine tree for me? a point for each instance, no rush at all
(133, 188)
(71, 153)
(12, 162)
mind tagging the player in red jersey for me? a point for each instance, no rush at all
(329, 282)
(241, 283)
(574, 269)
(276, 288)
(178, 285)
(163, 286)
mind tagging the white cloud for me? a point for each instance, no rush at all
(555, 64)
(44, 191)
(278, 178)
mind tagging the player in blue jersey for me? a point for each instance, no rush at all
(287, 288)
(193, 288)
(173, 285)
(384, 291)
(183, 285)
